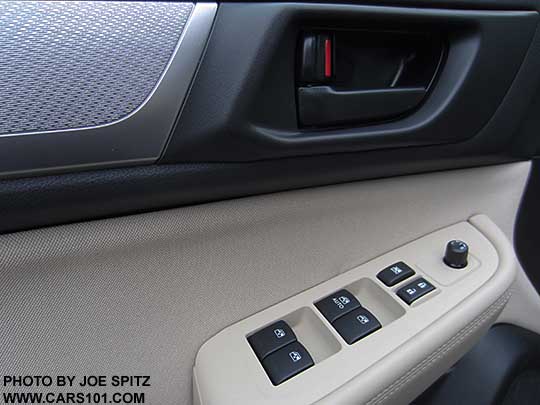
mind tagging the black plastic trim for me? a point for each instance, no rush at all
(449, 4)
(485, 374)
(249, 105)
(51, 200)
(527, 229)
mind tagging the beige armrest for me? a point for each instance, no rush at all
(415, 345)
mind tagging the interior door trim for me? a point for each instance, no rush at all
(137, 138)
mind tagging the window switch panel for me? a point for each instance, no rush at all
(412, 291)
(356, 325)
(395, 274)
(337, 305)
(287, 362)
(271, 338)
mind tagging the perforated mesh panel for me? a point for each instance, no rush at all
(74, 64)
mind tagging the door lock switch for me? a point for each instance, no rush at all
(415, 290)
(271, 339)
(287, 362)
(395, 274)
(316, 58)
(356, 325)
(337, 305)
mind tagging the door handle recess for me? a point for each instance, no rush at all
(324, 105)
(355, 76)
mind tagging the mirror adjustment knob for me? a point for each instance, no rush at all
(456, 254)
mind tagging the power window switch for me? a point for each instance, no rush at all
(337, 305)
(271, 338)
(356, 325)
(412, 291)
(395, 274)
(287, 362)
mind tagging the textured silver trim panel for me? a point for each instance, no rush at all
(149, 53)
(79, 64)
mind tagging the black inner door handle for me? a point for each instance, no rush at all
(323, 105)
(357, 76)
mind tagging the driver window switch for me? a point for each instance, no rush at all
(337, 305)
(287, 362)
(356, 325)
(271, 338)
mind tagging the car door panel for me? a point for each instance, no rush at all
(140, 294)
(161, 192)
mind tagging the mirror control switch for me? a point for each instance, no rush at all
(337, 305)
(271, 338)
(456, 254)
(356, 325)
(412, 291)
(287, 362)
(395, 274)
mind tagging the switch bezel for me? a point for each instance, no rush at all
(400, 322)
